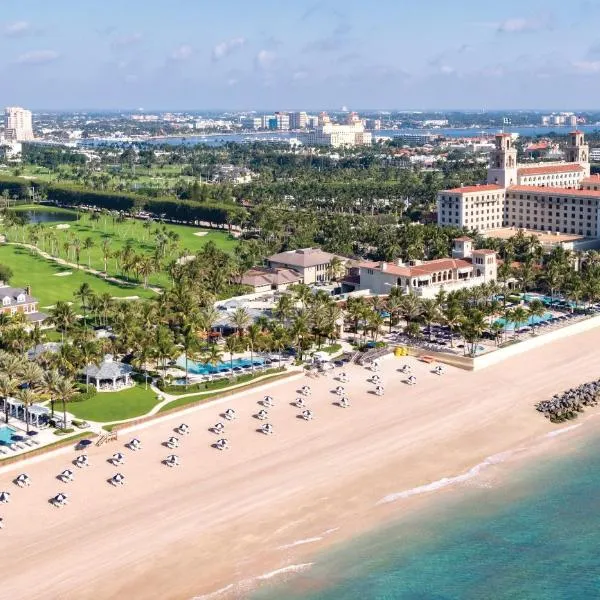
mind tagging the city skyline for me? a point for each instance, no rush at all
(328, 53)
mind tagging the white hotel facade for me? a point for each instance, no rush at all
(553, 198)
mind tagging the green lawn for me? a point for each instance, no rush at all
(142, 239)
(106, 407)
(40, 273)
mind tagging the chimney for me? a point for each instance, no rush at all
(28, 290)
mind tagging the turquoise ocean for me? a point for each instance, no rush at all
(531, 533)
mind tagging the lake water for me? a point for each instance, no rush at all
(219, 139)
(534, 535)
(43, 216)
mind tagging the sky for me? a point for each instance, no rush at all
(300, 54)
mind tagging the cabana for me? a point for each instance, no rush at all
(109, 375)
(38, 415)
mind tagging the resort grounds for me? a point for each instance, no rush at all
(223, 519)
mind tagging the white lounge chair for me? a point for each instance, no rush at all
(267, 429)
(23, 480)
(218, 428)
(379, 390)
(230, 414)
(82, 461)
(306, 391)
(117, 479)
(307, 415)
(172, 443)
(135, 444)
(117, 459)
(183, 429)
(339, 390)
(67, 476)
(412, 380)
(223, 444)
(4, 497)
(172, 460)
(344, 402)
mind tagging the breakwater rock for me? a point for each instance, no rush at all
(568, 405)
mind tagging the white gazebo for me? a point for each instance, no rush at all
(109, 375)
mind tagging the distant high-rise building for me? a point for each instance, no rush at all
(324, 119)
(252, 122)
(267, 121)
(282, 121)
(331, 134)
(298, 120)
(573, 120)
(352, 118)
(312, 121)
(18, 124)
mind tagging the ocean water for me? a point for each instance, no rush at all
(534, 534)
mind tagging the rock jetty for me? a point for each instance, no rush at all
(568, 405)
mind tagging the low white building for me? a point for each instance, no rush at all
(467, 268)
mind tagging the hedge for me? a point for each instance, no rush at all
(172, 209)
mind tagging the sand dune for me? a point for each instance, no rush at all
(269, 502)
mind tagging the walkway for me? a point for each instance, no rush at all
(90, 270)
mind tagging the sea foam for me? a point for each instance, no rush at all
(447, 481)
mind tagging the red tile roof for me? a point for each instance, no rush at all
(543, 170)
(592, 179)
(467, 189)
(427, 268)
(553, 191)
(464, 238)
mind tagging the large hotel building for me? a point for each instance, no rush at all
(556, 199)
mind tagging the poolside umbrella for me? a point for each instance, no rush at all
(17, 438)
(4, 497)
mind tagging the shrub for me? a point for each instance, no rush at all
(85, 392)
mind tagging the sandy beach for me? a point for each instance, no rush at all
(222, 520)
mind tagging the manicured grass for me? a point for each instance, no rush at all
(40, 273)
(196, 398)
(106, 407)
(132, 231)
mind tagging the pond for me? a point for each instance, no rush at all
(48, 216)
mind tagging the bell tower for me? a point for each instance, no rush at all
(578, 151)
(503, 162)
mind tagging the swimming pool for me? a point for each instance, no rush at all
(198, 368)
(548, 300)
(6, 434)
(530, 321)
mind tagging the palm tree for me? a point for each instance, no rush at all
(213, 356)
(519, 317)
(253, 337)
(65, 391)
(8, 388)
(28, 397)
(232, 344)
(190, 343)
(62, 317)
(48, 386)
(83, 294)
(146, 268)
(536, 310)
(279, 339)
(429, 312)
(88, 244)
(105, 252)
(240, 319)
(335, 268)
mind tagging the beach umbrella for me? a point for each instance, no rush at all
(4, 497)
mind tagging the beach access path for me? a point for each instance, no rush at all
(224, 518)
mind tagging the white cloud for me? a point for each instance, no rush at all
(299, 75)
(522, 24)
(184, 52)
(227, 47)
(37, 57)
(127, 40)
(447, 69)
(265, 59)
(587, 66)
(17, 28)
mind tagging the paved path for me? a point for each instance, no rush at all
(90, 270)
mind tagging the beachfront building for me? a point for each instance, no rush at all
(19, 300)
(467, 268)
(262, 279)
(313, 264)
(554, 198)
(109, 375)
(18, 124)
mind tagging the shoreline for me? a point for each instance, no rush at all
(273, 503)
